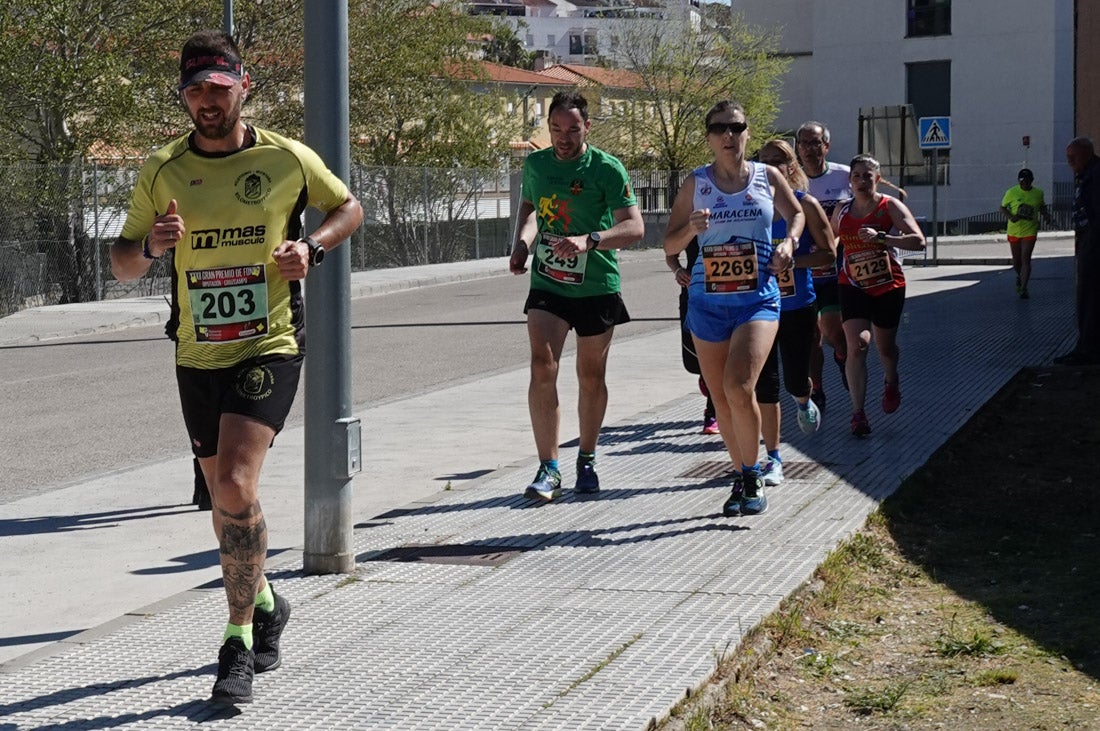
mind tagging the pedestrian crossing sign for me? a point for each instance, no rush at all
(935, 133)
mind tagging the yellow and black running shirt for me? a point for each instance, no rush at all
(237, 209)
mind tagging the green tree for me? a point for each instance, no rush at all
(96, 78)
(412, 77)
(682, 70)
(72, 74)
(505, 47)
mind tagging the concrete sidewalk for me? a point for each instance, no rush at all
(473, 608)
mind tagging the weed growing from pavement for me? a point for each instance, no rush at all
(592, 672)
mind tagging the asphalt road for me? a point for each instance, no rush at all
(82, 407)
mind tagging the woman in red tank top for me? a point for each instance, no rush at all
(870, 228)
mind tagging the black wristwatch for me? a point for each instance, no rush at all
(594, 237)
(316, 251)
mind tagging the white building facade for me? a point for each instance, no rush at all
(1002, 70)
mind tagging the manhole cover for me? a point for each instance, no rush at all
(451, 554)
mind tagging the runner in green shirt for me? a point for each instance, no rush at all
(577, 207)
(1023, 205)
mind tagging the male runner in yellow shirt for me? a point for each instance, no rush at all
(227, 200)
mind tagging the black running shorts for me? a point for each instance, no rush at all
(883, 310)
(261, 388)
(587, 315)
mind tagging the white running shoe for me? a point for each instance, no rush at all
(809, 419)
(773, 472)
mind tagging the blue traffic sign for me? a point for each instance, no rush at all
(935, 133)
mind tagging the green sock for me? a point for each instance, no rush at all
(589, 457)
(265, 600)
(244, 631)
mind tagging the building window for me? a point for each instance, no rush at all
(928, 91)
(928, 88)
(582, 45)
(927, 18)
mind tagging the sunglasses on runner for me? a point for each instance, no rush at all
(721, 128)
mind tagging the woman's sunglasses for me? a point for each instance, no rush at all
(721, 128)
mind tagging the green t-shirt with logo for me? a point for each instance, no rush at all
(574, 197)
(1025, 204)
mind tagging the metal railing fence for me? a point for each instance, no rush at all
(58, 221)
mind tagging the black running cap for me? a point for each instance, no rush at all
(207, 64)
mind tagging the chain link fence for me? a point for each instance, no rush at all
(57, 223)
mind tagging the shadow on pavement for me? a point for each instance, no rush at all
(87, 521)
(197, 710)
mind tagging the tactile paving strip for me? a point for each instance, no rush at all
(610, 609)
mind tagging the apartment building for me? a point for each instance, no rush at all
(1004, 71)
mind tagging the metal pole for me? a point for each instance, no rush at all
(227, 16)
(95, 228)
(427, 206)
(333, 451)
(935, 212)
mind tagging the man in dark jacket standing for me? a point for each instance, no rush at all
(1082, 159)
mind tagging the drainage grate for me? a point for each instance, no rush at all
(460, 554)
(709, 470)
(803, 470)
(712, 470)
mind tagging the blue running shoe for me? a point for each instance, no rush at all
(546, 487)
(732, 507)
(753, 502)
(588, 482)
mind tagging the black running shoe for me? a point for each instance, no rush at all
(267, 628)
(588, 482)
(201, 494)
(841, 364)
(753, 502)
(732, 507)
(235, 672)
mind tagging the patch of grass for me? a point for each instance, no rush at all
(819, 664)
(787, 625)
(996, 676)
(699, 720)
(866, 701)
(842, 629)
(973, 643)
(840, 569)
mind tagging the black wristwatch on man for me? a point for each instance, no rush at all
(316, 251)
(593, 240)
